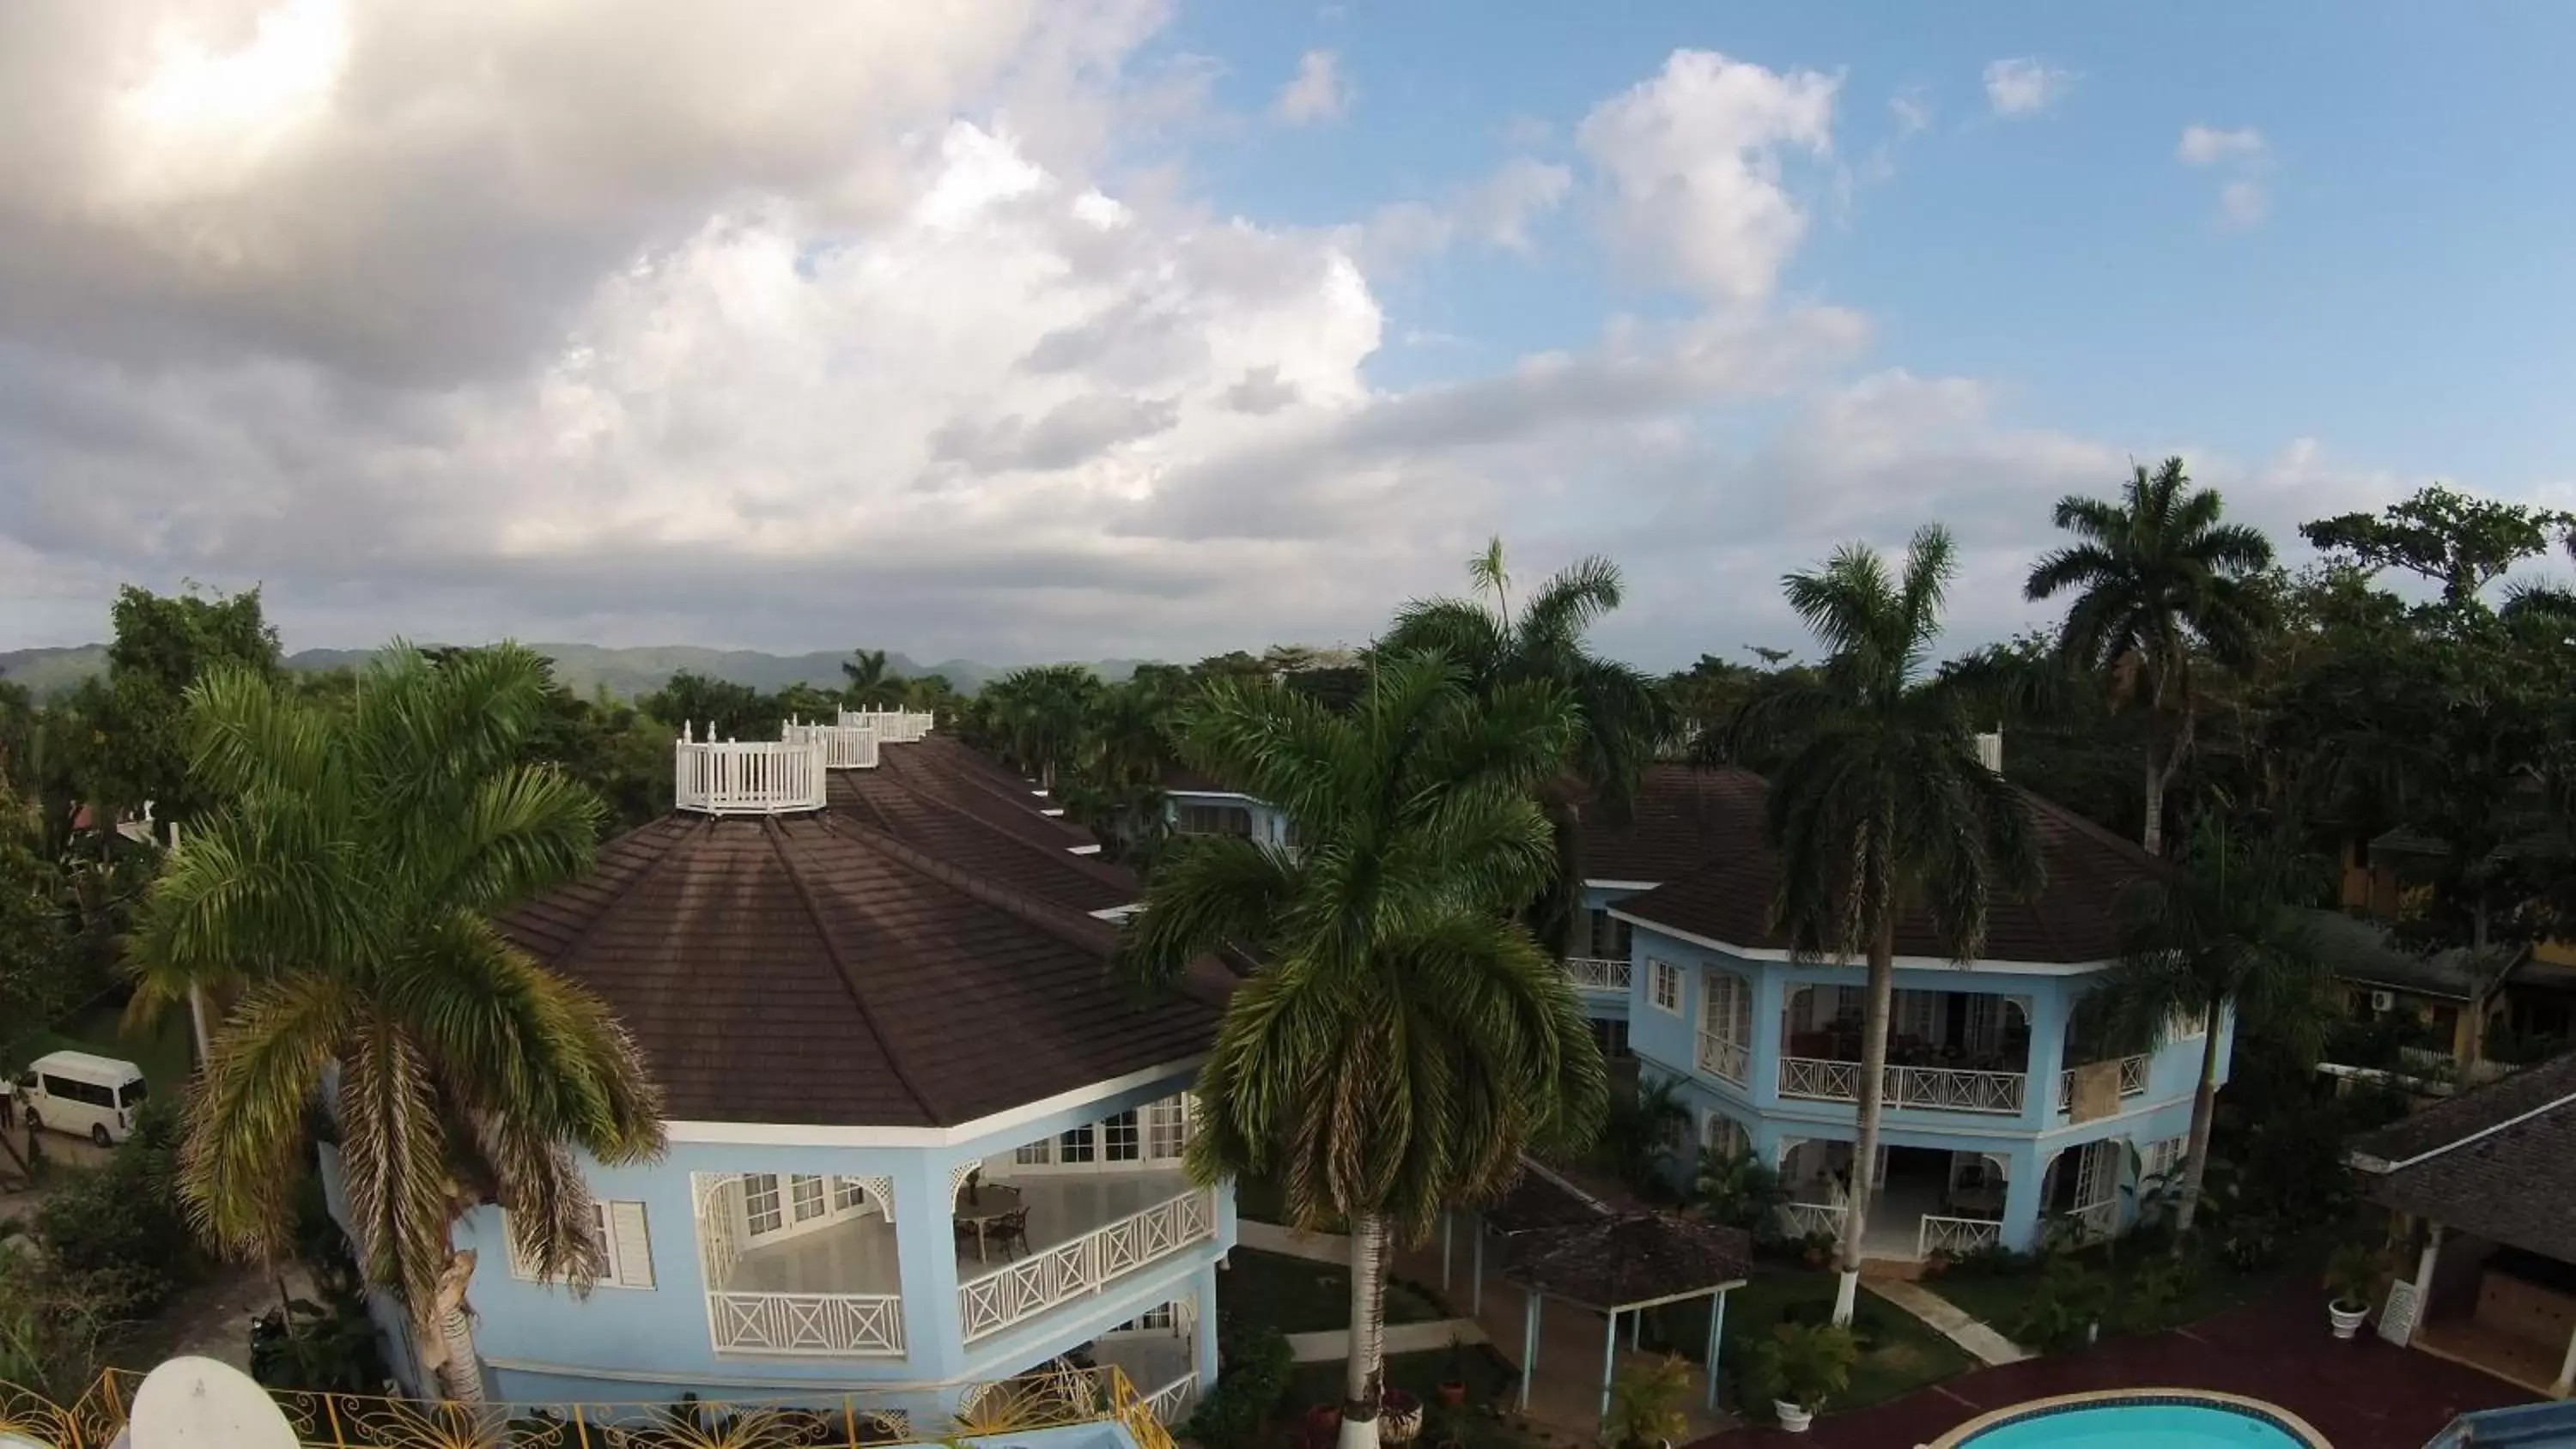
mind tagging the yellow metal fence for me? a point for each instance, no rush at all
(1043, 1400)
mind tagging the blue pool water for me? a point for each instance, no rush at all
(2136, 1426)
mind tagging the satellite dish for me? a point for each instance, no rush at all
(18, 1441)
(198, 1403)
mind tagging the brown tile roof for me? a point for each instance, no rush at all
(1637, 1257)
(2074, 917)
(962, 777)
(1683, 820)
(2498, 1161)
(813, 970)
(1020, 858)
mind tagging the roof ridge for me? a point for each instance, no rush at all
(776, 835)
(1086, 932)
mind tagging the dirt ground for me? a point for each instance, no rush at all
(211, 1319)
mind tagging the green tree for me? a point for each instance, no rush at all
(343, 895)
(32, 936)
(2221, 937)
(1622, 719)
(869, 683)
(715, 708)
(2157, 579)
(161, 646)
(1404, 1037)
(2457, 540)
(1884, 806)
(1036, 716)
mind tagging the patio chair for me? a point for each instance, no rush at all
(1012, 1227)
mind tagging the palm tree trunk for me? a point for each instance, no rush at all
(448, 1328)
(1878, 1006)
(2153, 837)
(2204, 1106)
(1365, 1370)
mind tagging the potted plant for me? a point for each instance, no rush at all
(1801, 1366)
(1453, 1389)
(2352, 1275)
(1646, 1406)
(1324, 1421)
(1399, 1416)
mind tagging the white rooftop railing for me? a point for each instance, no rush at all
(894, 726)
(752, 778)
(845, 746)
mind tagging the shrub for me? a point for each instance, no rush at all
(118, 1233)
(1806, 1363)
(1740, 1190)
(1646, 1405)
(1247, 1392)
(2070, 1300)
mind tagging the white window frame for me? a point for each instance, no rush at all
(1663, 978)
(849, 1196)
(613, 1263)
(1709, 1124)
(1149, 1135)
(807, 1199)
(1122, 1137)
(1721, 988)
(757, 1186)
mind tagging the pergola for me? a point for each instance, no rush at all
(1626, 1263)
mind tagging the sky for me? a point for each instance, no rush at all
(1034, 329)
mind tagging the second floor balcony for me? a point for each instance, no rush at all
(1947, 1051)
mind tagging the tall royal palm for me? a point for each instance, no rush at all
(2221, 936)
(2157, 577)
(340, 898)
(1405, 1037)
(1622, 718)
(1883, 807)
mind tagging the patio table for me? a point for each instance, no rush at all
(989, 1206)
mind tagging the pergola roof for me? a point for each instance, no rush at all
(1540, 1200)
(1629, 1260)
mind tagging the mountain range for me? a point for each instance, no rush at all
(583, 667)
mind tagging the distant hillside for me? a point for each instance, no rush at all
(583, 667)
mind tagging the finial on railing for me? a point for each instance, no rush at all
(686, 737)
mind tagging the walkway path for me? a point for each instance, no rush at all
(2360, 1394)
(1949, 1320)
(1332, 1345)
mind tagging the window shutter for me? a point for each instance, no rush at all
(633, 1253)
(520, 1268)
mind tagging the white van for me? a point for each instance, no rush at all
(84, 1095)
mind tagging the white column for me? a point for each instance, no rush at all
(2566, 1380)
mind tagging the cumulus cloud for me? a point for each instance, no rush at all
(2244, 200)
(1317, 94)
(1693, 162)
(2023, 86)
(1496, 211)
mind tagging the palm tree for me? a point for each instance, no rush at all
(1405, 1038)
(341, 898)
(870, 683)
(2221, 936)
(1622, 717)
(1036, 715)
(2157, 577)
(1883, 806)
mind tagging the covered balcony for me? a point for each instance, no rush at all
(1947, 1051)
(1929, 1200)
(1599, 961)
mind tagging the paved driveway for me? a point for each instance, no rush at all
(2361, 1395)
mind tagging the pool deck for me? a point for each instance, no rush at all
(2363, 1394)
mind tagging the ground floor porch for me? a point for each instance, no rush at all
(2499, 1309)
(1950, 1201)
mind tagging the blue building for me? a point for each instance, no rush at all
(919, 1140)
(2001, 1120)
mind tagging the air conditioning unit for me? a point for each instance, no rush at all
(2383, 1001)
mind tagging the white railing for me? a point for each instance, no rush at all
(1955, 1236)
(845, 747)
(1722, 1058)
(1941, 1089)
(759, 778)
(862, 1325)
(1806, 1219)
(994, 1301)
(2133, 1081)
(1594, 973)
(894, 726)
(1174, 1401)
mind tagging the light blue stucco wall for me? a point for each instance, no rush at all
(1666, 1043)
(541, 1343)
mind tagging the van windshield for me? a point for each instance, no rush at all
(133, 1092)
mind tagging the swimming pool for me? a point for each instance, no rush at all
(2137, 1419)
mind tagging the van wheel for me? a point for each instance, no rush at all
(98, 1134)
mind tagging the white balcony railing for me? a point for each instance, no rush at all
(1594, 973)
(894, 726)
(862, 1325)
(1939, 1089)
(994, 1301)
(1806, 1219)
(759, 778)
(1719, 1057)
(1175, 1401)
(845, 747)
(2133, 1081)
(1955, 1236)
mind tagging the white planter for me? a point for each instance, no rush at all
(1793, 1419)
(2347, 1321)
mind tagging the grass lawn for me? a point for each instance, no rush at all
(1904, 1354)
(163, 1055)
(2001, 1299)
(1299, 1295)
